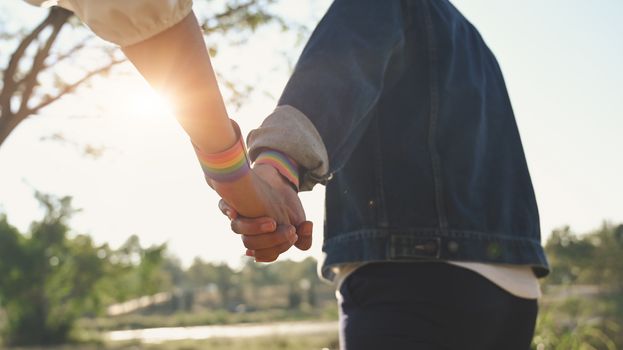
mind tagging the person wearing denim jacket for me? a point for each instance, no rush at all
(401, 110)
(432, 227)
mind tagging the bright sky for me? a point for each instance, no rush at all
(562, 63)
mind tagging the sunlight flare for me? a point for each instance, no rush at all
(150, 104)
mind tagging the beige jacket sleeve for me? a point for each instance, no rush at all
(125, 22)
(288, 130)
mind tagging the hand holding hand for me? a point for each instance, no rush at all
(263, 238)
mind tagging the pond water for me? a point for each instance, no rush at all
(158, 335)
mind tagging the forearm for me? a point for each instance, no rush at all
(176, 63)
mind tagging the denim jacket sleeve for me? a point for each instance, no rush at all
(336, 84)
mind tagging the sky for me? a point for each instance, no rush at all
(562, 64)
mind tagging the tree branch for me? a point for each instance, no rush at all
(9, 86)
(59, 19)
(21, 48)
(8, 83)
(231, 11)
(65, 55)
(71, 87)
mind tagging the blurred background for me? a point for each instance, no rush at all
(108, 230)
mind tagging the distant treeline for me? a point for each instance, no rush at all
(594, 258)
(49, 279)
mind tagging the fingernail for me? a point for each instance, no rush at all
(228, 213)
(249, 253)
(268, 226)
(292, 237)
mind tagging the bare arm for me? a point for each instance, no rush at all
(176, 62)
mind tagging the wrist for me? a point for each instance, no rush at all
(282, 163)
(226, 166)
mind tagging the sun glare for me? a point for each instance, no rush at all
(149, 104)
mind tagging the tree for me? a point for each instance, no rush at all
(592, 258)
(47, 280)
(133, 271)
(201, 274)
(32, 81)
(584, 321)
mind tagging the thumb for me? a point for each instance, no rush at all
(304, 231)
(228, 210)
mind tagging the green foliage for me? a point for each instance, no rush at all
(570, 317)
(132, 271)
(258, 286)
(48, 279)
(578, 324)
(594, 258)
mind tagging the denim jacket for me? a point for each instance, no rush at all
(400, 108)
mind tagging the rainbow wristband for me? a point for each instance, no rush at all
(285, 165)
(228, 165)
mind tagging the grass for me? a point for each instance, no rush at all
(205, 318)
(571, 324)
(581, 324)
(327, 341)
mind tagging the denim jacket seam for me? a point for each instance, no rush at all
(433, 117)
(431, 232)
(382, 217)
(332, 161)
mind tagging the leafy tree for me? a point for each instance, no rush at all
(607, 262)
(569, 256)
(592, 258)
(201, 274)
(47, 280)
(583, 322)
(133, 271)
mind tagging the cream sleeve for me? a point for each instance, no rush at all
(289, 131)
(125, 22)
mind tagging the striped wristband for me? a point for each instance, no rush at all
(228, 165)
(285, 165)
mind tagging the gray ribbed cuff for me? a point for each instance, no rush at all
(288, 130)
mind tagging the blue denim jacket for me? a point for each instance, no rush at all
(425, 161)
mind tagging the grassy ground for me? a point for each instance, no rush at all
(217, 317)
(571, 324)
(308, 342)
(581, 323)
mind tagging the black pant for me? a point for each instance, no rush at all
(431, 306)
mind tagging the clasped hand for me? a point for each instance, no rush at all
(267, 237)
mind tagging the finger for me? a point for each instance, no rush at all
(226, 209)
(296, 212)
(271, 254)
(253, 226)
(304, 232)
(283, 234)
(210, 183)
